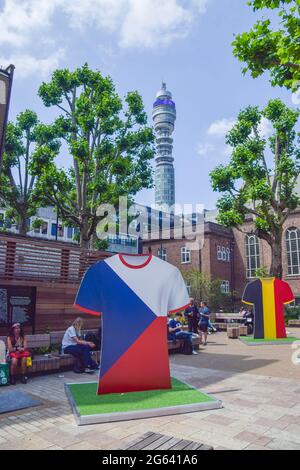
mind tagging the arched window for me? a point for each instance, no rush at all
(252, 255)
(293, 251)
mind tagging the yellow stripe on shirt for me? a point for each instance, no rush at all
(269, 308)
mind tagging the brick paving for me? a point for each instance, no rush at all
(259, 387)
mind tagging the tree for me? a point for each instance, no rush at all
(251, 185)
(274, 48)
(207, 289)
(108, 141)
(17, 183)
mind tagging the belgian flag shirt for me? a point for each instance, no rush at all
(134, 295)
(268, 297)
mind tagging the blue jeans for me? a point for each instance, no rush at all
(187, 336)
(82, 352)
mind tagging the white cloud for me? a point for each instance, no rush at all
(221, 128)
(154, 23)
(265, 127)
(27, 64)
(205, 149)
(28, 26)
(20, 19)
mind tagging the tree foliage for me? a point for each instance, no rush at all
(207, 289)
(261, 176)
(106, 147)
(271, 45)
(17, 183)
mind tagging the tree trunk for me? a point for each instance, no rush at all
(22, 225)
(84, 234)
(276, 264)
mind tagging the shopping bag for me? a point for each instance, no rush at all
(4, 374)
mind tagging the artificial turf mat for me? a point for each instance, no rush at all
(251, 340)
(88, 403)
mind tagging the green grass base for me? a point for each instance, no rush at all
(88, 403)
(254, 341)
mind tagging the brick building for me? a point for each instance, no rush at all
(233, 256)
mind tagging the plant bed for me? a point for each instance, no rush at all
(250, 341)
(90, 408)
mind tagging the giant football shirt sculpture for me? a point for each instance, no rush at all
(133, 294)
(268, 297)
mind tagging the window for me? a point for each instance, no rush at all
(162, 253)
(219, 253)
(70, 232)
(228, 257)
(225, 287)
(53, 230)
(252, 255)
(189, 287)
(43, 229)
(293, 251)
(224, 255)
(60, 230)
(185, 255)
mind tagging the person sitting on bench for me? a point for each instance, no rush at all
(17, 345)
(175, 333)
(80, 349)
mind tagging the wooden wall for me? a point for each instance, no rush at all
(54, 307)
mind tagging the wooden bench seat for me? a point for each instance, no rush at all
(295, 323)
(54, 361)
(177, 345)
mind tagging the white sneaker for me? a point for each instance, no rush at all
(195, 353)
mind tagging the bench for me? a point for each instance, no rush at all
(222, 320)
(175, 346)
(53, 360)
(295, 323)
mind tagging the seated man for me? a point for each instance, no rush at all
(80, 349)
(175, 332)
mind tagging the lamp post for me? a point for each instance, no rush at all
(6, 79)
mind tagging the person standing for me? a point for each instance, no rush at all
(204, 321)
(192, 315)
(17, 351)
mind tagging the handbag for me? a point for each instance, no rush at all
(28, 361)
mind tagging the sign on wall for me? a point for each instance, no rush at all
(6, 77)
(17, 305)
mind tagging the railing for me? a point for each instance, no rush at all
(24, 258)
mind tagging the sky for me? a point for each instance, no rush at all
(140, 43)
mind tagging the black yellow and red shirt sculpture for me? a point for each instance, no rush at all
(268, 297)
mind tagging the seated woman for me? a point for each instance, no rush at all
(17, 345)
(73, 344)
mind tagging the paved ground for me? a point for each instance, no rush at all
(259, 387)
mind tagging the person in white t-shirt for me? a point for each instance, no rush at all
(73, 344)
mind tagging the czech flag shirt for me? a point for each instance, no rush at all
(133, 294)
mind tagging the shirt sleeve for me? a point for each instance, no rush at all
(88, 298)
(178, 298)
(287, 293)
(72, 332)
(248, 295)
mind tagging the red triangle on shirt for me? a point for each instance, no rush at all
(144, 366)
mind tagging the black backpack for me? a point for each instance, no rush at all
(92, 338)
(187, 348)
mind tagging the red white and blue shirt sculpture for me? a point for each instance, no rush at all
(134, 295)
